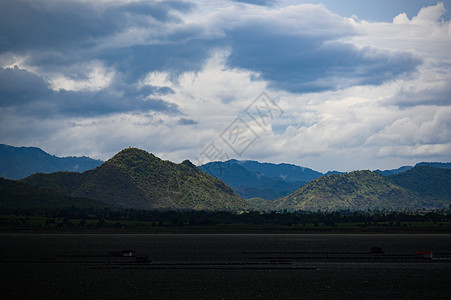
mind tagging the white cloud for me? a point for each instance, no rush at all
(426, 34)
(378, 93)
(96, 78)
(214, 94)
(431, 14)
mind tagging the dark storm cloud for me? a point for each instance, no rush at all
(311, 58)
(297, 49)
(105, 102)
(18, 87)
(136, 61)
(26, 93)
(57, 34)
(50, 24)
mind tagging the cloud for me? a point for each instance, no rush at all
(65, 24)
(427, 34)
(117, 34)
(18, 87)
(434, 90)
(258, 2)
(299, 49)
(170, 76)
(96, 78)
(426, 15)
(27, 93)
(431, 127)
(184, 121)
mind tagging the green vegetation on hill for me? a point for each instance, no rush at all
(259, 204)
(270, 191)
(137, 179)
(435, 165)
(359, 190)
(19, 195)
(429, 183)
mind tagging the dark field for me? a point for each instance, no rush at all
(234, 266)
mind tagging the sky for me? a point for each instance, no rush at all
(330, 85)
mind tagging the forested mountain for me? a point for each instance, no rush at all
(427, 182)
(358, 190)
(20, 162)
(406, 168)
(394, 171)
(234, 174)
(435, 165)
(286, 172)
(272, 190)
(252, 179)
(137, 179)
(20, 195)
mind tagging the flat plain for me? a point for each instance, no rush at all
(225, 266)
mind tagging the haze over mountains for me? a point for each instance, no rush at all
(134, 178)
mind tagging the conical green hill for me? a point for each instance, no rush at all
(359, 190)
(137, 179)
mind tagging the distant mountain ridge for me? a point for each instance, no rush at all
(134, 178)
(20, 162)
(137, 179)
(439, 165)
(419, 187)
(393, 171)
(286, 172)
(402, 169)
(252, 179)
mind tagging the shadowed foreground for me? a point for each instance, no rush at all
(225, 266)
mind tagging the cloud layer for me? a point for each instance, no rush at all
(90, 78)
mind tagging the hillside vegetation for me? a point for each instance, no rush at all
(429, 183)
(137, 179)
(19, 195)
(359, 190)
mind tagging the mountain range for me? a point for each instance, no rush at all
(418, 187)
(252, 179)
(20, 162)
(17, 195)
(134, 178)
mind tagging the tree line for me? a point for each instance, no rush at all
(205, 218)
